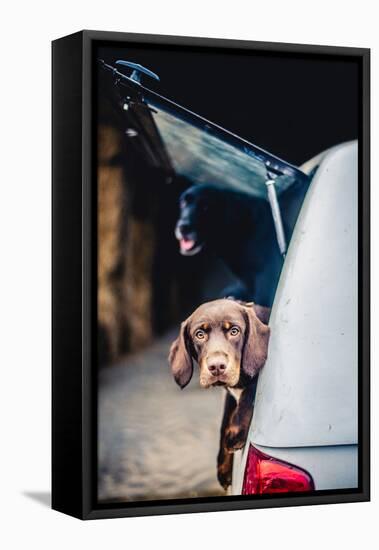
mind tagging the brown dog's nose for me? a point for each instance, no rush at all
(216, 368)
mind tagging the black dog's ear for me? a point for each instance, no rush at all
(180, 358)
(256, 339)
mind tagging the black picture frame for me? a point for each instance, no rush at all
(74, 411)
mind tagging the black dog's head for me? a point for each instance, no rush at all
(194, 223)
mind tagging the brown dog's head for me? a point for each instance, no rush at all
(226, 338)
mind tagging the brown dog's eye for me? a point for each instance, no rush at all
(200, 334)
(234, 331)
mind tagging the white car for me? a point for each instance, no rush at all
(304, 431)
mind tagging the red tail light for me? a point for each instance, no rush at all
(265, 474)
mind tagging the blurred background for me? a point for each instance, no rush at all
(155, 441)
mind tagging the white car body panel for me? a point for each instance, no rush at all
(308, 390)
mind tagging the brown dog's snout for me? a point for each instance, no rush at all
(217, 364)
(216, 368)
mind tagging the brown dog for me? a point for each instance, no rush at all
(228, 339)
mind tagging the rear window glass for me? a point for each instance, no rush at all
(201, 150)
(203, 157)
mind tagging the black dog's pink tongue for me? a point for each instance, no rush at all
(186, 244)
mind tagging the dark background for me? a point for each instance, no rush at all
(293, 106)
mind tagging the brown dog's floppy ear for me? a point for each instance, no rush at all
(180, 358)
(256, 339)
(263, 313)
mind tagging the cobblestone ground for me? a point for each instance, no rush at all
(155, 440)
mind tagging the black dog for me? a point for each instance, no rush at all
(239, 229)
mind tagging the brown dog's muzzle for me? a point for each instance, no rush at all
(217, 364)
(221, 367)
